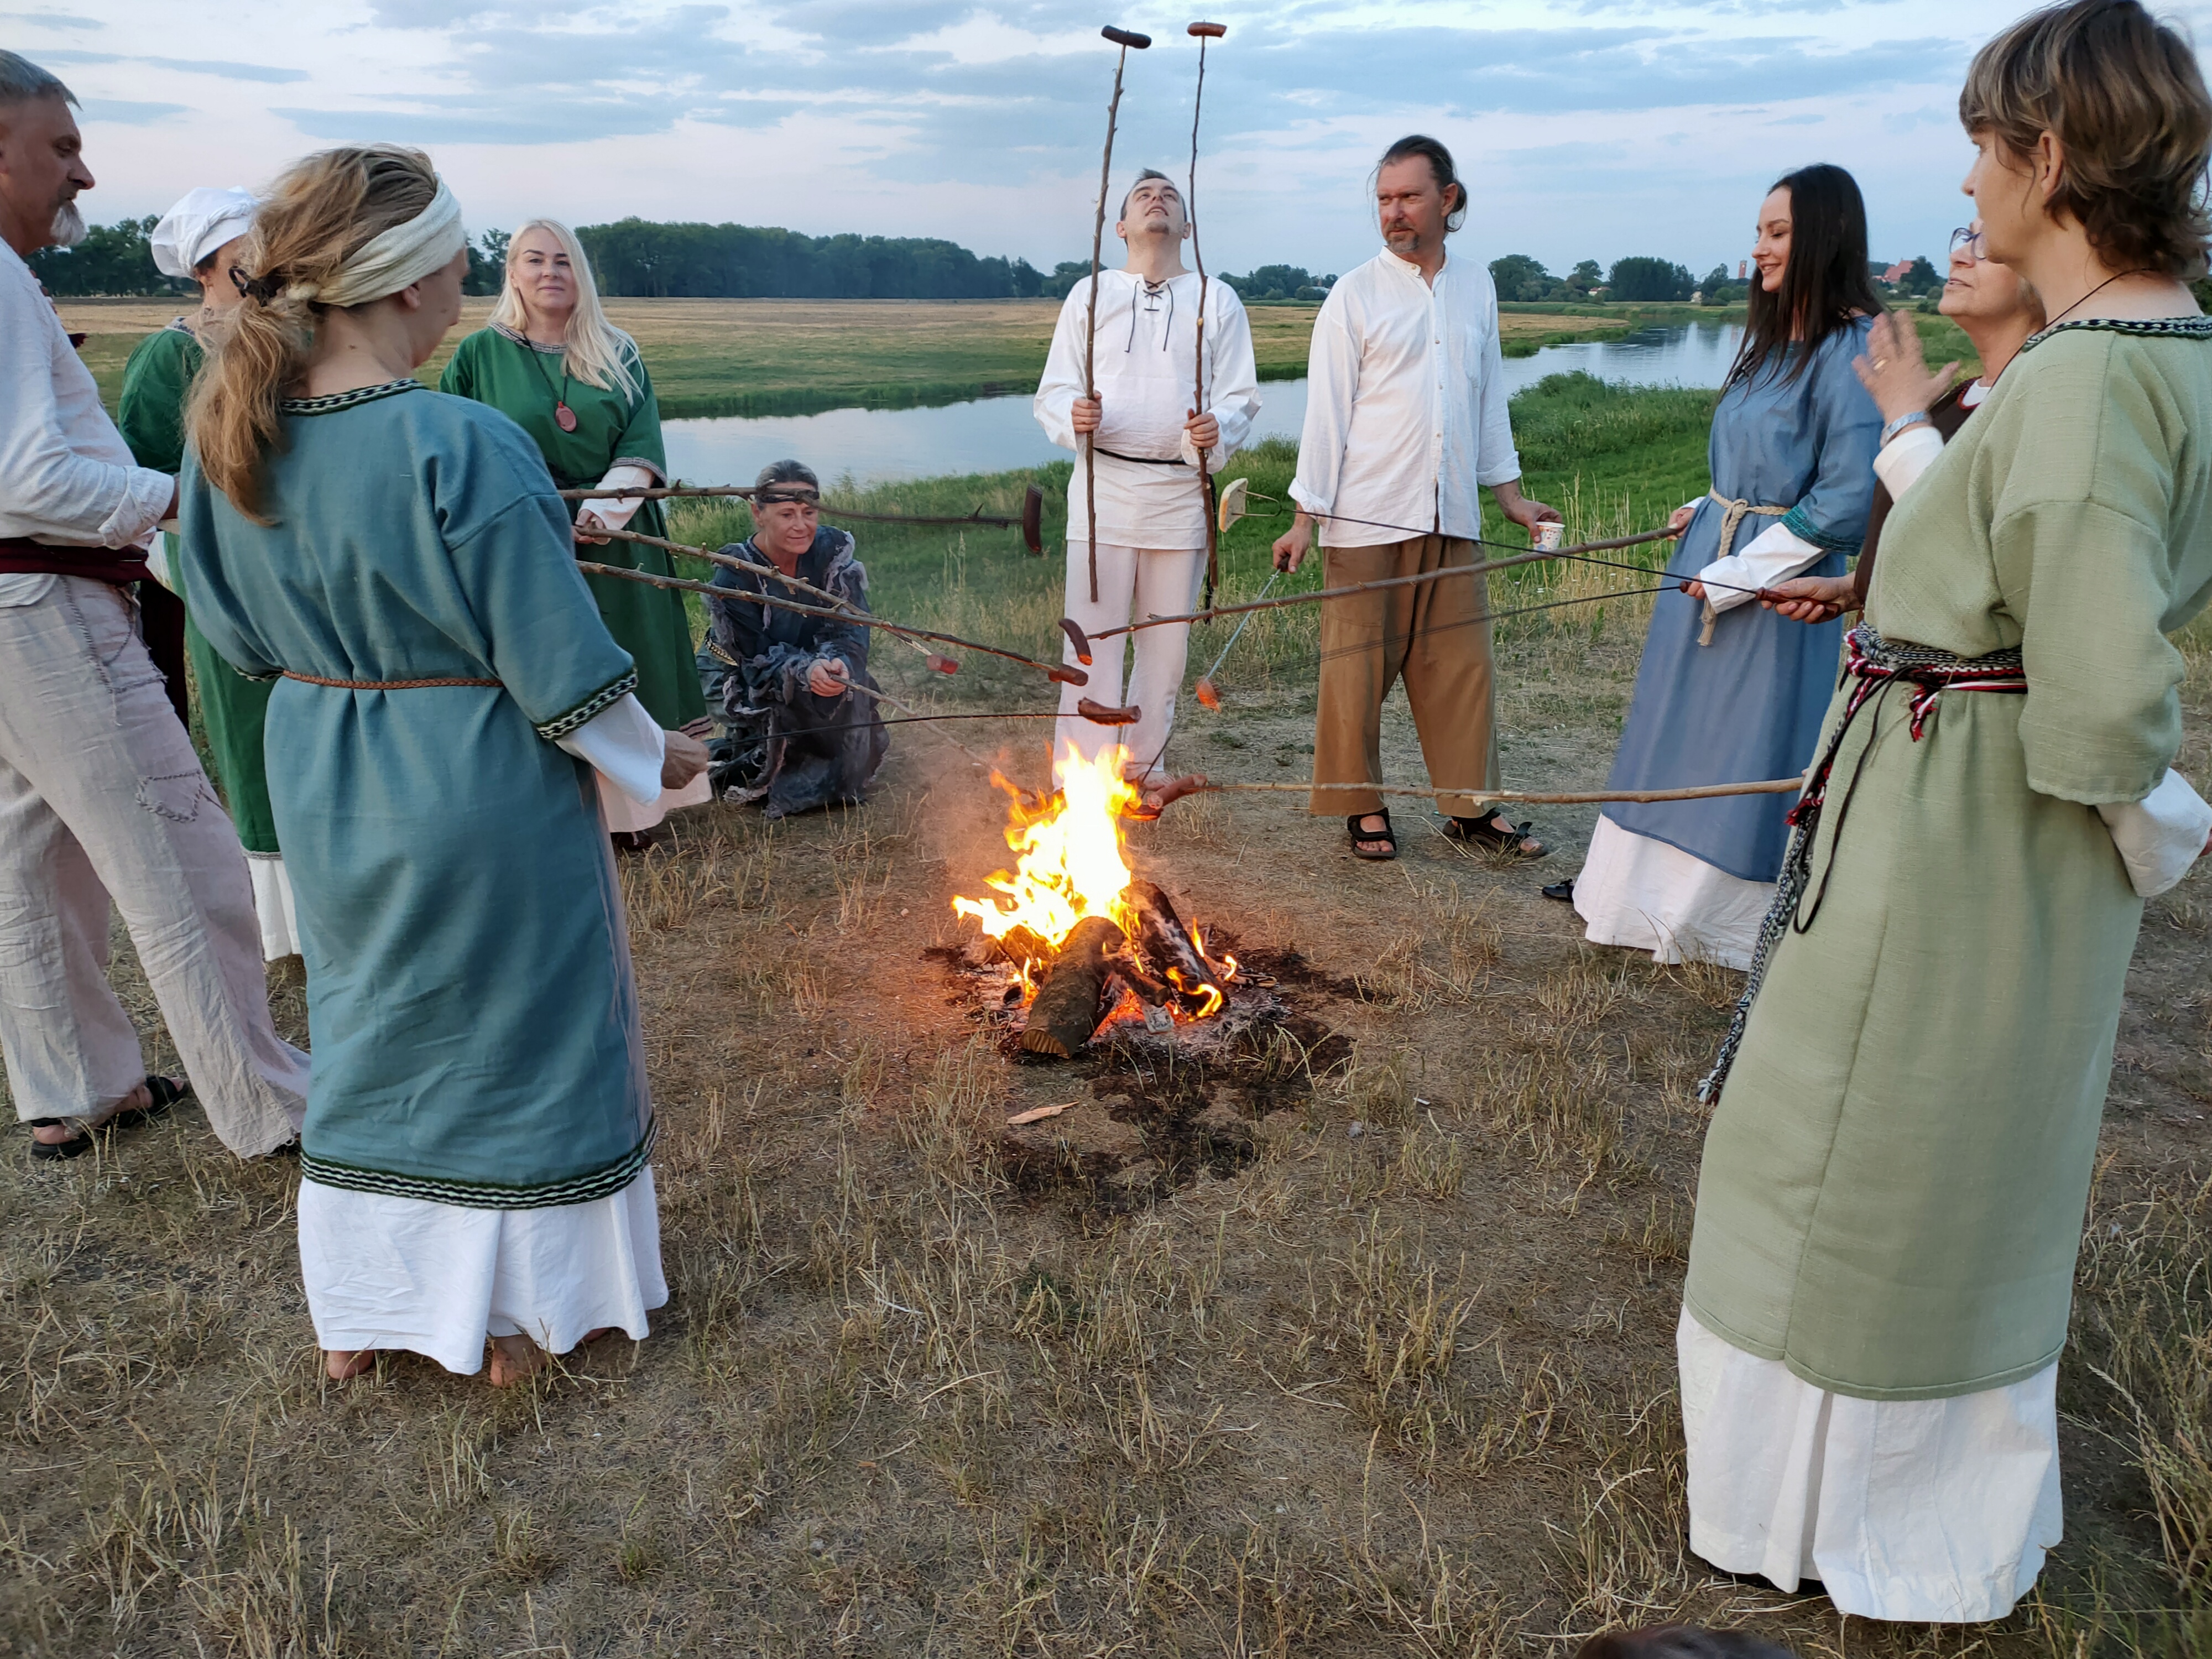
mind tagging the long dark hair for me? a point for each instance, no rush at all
(1825, 285)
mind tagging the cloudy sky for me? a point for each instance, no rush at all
(1589, 129)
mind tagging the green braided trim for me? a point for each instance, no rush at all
(602, 1182)
(597, 704)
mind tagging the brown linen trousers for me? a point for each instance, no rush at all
(1435, 636)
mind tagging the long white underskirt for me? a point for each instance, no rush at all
(1936, 1510)
(272, 906)
(1645, 895)
(385, 1271)
(625, 815)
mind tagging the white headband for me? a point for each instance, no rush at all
(402, 255)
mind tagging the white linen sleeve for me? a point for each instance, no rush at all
(615, 512)
(1332, 379)
(1062, 383)
(1232, 375)
(2160, 835)
(49, 491)
(1775, 555)
(624, 745)
(157, 556)
(1496, 460)
(1905, 457)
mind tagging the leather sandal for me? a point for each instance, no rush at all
(165, 1092)
(1498, 833)
(1385, 835)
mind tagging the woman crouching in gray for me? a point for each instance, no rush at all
(802, 732)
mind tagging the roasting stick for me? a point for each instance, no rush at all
(1051, 671)
(1124, 39)
(746, 492)
(1203, 32)
(1201, 785)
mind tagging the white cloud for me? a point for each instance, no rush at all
(1588, 128)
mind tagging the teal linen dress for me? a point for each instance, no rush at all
(473, 1018)
(614, 427)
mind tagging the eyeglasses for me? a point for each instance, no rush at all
(1966, 240)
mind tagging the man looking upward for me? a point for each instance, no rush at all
(1404, 417)
(100, 794)
(1147, 438)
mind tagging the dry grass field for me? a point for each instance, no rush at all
(788, 356)
(1357, 1343)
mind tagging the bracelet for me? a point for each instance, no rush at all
(1901, 423)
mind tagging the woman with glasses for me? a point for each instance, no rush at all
(1728, 693)
(1890, 1204)
(1997, 312)
(552, 363)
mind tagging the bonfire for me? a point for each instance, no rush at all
(1092, 942)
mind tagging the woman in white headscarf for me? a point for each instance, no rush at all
(198, 240)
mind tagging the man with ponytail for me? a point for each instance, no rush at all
(398, 563)
(102, 802)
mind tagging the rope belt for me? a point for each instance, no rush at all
(1733, 517)
(380, 685)
(1877, 664)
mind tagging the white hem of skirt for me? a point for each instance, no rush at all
(1647, 895)
(272, 906)
(1910, 1510)
(625, 817)
(437, 1280)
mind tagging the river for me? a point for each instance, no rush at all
(994, 434)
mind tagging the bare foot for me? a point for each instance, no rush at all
(53, 1135)
(343, 1364)
(515, 1359)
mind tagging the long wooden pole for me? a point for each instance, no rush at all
(1204, 32)
(1124, 39)
(687, 492)
(1570, 798)
(1537, 557)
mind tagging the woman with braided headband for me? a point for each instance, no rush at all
(474, 1159)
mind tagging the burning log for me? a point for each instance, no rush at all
(1168, 945)
(1067, 1007)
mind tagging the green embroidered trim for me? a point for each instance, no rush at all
(598, 703)
(599, 1183)
(1803, 530)
(338, 400)
(2178, 328)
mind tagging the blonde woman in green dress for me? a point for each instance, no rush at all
(1895, 1181)
(551, 362)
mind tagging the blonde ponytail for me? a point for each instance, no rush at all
(316, 216)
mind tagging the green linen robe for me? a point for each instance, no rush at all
(474, 1019)
(1895, 1179)
(152, 419)
(526, 383)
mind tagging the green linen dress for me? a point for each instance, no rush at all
(526, 383)
(474, 1018)
(152, 418)
(1892, 1195)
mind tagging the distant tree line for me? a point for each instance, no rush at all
(638, 257)
(117, 259)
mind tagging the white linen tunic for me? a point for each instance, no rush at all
(1147, 358)
(1406, 404)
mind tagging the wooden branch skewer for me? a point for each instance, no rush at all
(1569, 797)
(1319, 594)
(675, 492)
(1051, 671)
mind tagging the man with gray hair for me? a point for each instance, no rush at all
(101, 798)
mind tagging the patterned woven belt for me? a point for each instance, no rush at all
(379, 685)
(1876, 664)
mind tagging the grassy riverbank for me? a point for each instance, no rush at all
(1358, 1347)
(794, 356)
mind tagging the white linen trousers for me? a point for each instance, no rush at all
(101, 798)
(1133, 583)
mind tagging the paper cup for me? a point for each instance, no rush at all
(1547, 536)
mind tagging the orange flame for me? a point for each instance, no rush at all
(1069, 860)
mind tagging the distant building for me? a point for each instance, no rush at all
(1742, 269)
(1896, 273)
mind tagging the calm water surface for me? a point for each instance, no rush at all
(992, 434)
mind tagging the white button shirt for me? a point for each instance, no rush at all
(1147, 356)
(1405, 404)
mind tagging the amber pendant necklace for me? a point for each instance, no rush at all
(563, 416)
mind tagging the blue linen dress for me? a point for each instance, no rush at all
(1749, 706)
(472, 1016)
